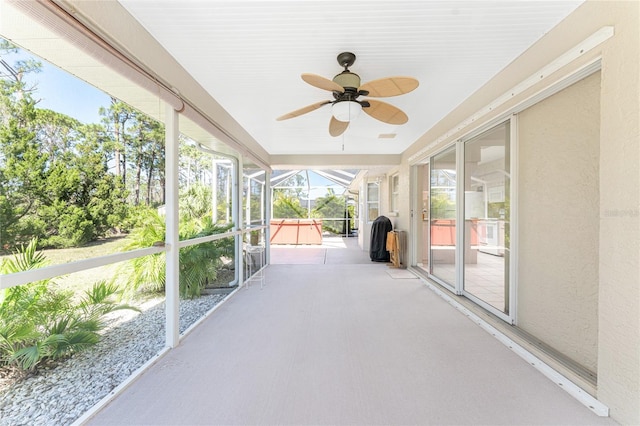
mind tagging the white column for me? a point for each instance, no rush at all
(214, 189)
(236, 212)
(229, 197)
(460, 218)
(172, 294)
(247, 209)
(268, 192)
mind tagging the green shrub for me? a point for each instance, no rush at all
(38, 323)
(198, 263)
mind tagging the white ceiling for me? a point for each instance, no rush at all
(249, 57)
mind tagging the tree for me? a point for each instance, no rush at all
(22, 165)
(116, 119)
(146, 152)
(54, 179)
(287, 206)
(331, 206)
(136, 142)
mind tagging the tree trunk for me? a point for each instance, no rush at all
(136, 199)
(150, 177)
(163, 190)
(116, 131)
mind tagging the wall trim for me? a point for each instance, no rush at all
(562, 381)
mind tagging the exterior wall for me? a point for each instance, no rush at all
(403, 220)
(618, 243)
(364, 237)
(559, 143)
(619, 295)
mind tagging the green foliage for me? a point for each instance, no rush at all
(54, 182)
(196, 201)
(198, 263)
(147, 272)
(56, 177)
(331, 206)
(38, 323)
(442, 207)
(287, 206)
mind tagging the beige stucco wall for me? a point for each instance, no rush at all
(558, 145)
(619, 252)
(403, 220)
(618, 242)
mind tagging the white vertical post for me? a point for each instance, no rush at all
(271, 200)
(236, 202)
(460, 218)
(513, 222)
(247, 210)
(268, 192)
(172, 294)
(308, 195)
(262, 199)
(229, 196)
(214, 189)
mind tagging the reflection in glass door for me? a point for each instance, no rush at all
(486, 211)
(442, 216)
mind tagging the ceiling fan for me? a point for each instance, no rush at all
(346, 90)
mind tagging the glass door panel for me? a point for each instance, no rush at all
(442, 216)
(486, 228)
(422, 221)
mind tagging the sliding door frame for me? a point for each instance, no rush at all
(416, 199)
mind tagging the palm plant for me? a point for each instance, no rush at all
(198, 263)
(38, 323)
(147, 272)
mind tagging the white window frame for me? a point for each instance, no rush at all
(394, 193)
(373, 202)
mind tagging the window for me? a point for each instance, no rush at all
(394, 189)
(373, 201)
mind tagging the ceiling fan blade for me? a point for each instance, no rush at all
(322, 83)
(390, 86)
(304, 110)
(337, 127)
(385, 112)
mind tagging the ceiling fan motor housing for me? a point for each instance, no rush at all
(348, 80)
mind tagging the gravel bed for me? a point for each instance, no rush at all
(59, 395)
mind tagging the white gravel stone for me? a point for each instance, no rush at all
(60, 395)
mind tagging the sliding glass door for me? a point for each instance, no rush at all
(487, 183)
(464, 235)
(442, 215)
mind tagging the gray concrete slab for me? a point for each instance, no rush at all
(342, 345)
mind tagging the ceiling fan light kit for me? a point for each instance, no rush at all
(346, 110)
(346, 89)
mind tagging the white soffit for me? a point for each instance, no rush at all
(249, 56)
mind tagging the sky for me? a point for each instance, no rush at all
(67, 94)
(62, 92)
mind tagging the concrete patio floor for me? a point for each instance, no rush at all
(333, 338)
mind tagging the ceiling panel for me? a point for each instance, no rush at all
(249, 56)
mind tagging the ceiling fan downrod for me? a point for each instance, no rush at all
(346, 59)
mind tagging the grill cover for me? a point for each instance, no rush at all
(379, 229)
